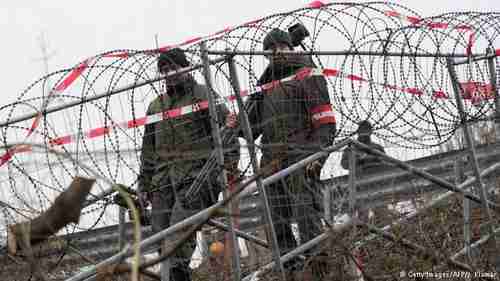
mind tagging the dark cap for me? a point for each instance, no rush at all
(276, 36)
(172, 57)
(365, 127)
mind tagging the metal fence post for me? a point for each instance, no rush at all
(121, 227)
(459, 178)
(220, 156)
(247, 130)
(327, 203)
(352, 180)
(472, 152)
(493, 81)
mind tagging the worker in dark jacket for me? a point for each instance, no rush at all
(364, 162)
(173, 152)
(292, 116)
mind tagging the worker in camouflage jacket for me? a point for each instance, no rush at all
(293, 117)
(173, 152)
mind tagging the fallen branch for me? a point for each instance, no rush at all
(66, 209)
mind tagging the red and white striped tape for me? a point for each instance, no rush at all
(429, 24)
(65, 83)
(203, 105)
(77, 72)
(436, 25)
(322, 114)
(475, 92)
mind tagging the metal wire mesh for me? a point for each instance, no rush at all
(390, 70)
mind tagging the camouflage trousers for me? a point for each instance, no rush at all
(169, 208)
(294, 199)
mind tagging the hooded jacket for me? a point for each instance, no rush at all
(293, 113)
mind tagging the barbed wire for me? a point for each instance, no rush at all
(408, 98)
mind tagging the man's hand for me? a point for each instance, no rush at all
(231, 120)
(313, 170)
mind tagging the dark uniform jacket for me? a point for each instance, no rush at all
(293, 113)
(178, 147)
(289, 115)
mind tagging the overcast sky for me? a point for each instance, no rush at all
(74, 30)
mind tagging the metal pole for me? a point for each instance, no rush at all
(327, 203)
(121, 227)
(349, 52)
(240, 233)
(352, 180)
(420, 172)
(459, 178)
(220, 156)
(247, 130)
(472, 151)
(494, 86)
(353, 210)
(473, 58)
(84, 100)
(165, 264)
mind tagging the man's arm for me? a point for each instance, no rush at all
(346, 156)
(148, 157)
(322, 118)
(322, 115)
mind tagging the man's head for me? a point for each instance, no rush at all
(365, 130)
(171, 60)
(277, 39)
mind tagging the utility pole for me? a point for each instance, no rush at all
(46, 56)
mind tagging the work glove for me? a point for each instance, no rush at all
(313, 170)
